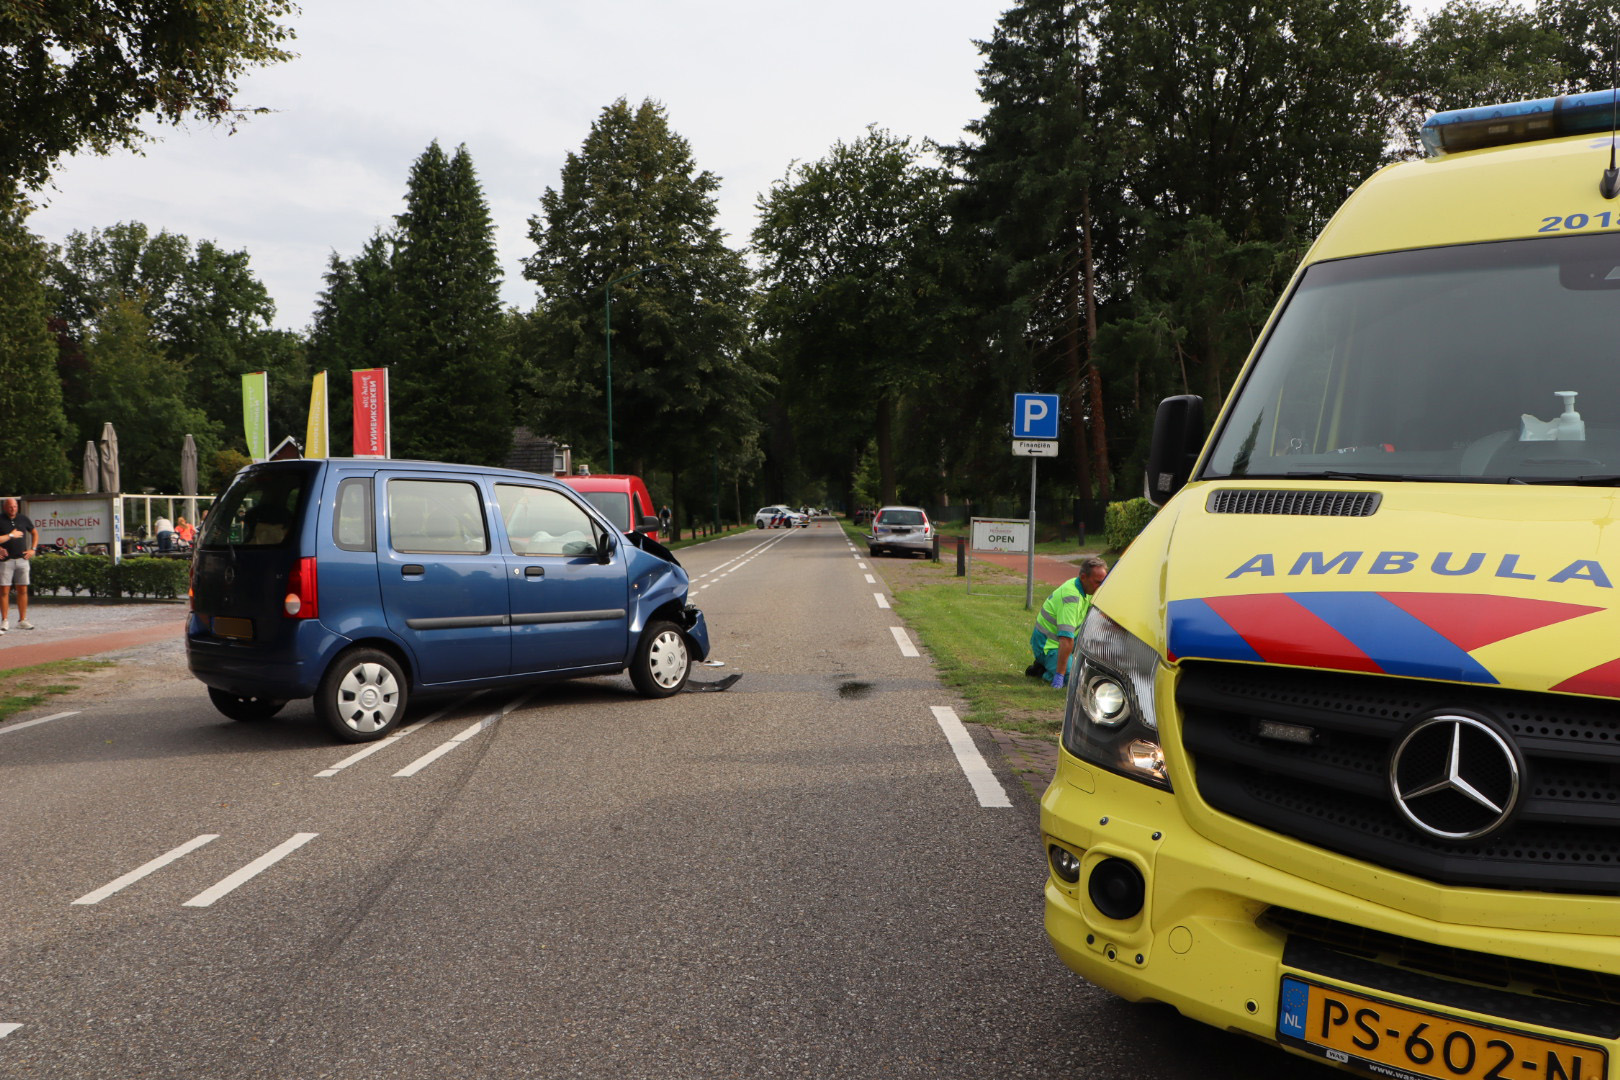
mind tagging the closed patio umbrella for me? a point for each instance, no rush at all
(110, 480)
(188, 476)
(92, 467)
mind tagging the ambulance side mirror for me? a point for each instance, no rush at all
(1178, 435)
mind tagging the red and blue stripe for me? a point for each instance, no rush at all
(1422, 635)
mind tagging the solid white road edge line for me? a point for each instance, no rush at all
(882, 601)
(394, 738)
(985, 785)
(141, 871)
(41, 720)
(251, 870)
(466, 733)
(900, 639)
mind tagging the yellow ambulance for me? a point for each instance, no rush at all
(1341, 751)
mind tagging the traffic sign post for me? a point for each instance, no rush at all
(1035, 434)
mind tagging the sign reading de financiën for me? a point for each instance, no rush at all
(77, 519)
(1009, 536)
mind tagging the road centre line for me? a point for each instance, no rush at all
(7, 1029)
(252, 870)
(139, 872)
(984, 783)
(361, 755)
(41, 720)
(466, 733)
(900, 639)
(882, 601)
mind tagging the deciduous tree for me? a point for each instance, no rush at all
(85, 75)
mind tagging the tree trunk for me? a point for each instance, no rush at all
(675, 504)
(1099, 423)
(885, 449)
(1076, 390)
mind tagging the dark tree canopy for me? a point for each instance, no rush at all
(85, 74)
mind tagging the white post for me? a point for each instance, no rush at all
(1029, 576)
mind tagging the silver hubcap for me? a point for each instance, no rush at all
(368, 697)
(667, 659)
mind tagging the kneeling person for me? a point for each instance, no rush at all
(1059, 621)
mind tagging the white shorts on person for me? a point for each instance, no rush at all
(14, 571)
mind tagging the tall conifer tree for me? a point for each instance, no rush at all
(450, 382)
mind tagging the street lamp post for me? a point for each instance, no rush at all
(608, 321)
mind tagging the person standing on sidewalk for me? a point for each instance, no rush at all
(21, 538)
(1059, 621)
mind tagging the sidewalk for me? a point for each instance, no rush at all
(70, 629)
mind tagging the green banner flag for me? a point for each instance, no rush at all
(256, 414)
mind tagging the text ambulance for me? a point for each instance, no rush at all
(1341, 761)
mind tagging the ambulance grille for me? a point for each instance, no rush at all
(1333, 792)
(1298, 503)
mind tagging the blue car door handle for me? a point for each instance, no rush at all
(412, 568)
(534, 571)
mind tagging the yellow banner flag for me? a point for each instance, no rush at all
(318, 432)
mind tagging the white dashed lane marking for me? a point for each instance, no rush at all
(232, 882)
(361, 755)
(466, 733)
(882, 601)
(41, 720)
(148, 868)
(7, 1029)
(902, 640)
(985, 786)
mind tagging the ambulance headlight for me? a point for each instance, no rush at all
(1109, 719)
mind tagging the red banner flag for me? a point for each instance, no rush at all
(371, 413)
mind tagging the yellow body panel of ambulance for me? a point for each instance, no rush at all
(1341, 753)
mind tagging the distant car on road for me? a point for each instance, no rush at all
(778, 516)
(902, 530)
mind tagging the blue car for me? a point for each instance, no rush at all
(360, 582)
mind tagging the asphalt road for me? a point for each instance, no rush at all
(791, 878)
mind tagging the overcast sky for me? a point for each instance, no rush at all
(752, 84)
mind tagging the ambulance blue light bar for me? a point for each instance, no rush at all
(1520, 121)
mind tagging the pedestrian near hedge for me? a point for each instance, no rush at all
(21, 538)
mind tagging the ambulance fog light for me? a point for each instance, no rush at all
(1064, 863)
(1148, 758)
(1117, 889)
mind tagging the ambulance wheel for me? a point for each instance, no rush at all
(662, 663)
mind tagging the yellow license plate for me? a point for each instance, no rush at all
(233, 628)
(1395, 1041)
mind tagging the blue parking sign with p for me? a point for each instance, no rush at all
(1035, 416)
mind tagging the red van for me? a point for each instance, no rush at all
(623, 499)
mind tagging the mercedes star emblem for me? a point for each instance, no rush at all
(1455, 777)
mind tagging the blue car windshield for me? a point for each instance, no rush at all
(1492, 362)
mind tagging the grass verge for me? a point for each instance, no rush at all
(24, 688)
(980, 645)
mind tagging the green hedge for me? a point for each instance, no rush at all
(95, 575)
(1124, 520)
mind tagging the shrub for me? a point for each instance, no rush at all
(95, 575)
(1125, 520)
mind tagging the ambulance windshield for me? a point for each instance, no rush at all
(1495, 362)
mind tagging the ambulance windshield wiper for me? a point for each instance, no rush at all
(1589, 480)
(1340, 474)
